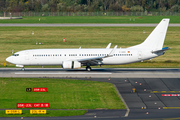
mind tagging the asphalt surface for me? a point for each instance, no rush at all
(83, 25)
(95, 73)
(145, 102)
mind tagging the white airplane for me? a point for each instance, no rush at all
(76, 58)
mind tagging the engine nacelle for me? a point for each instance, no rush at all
(71, 64)
(76, 65)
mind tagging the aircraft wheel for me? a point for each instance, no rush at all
(23, 69)
(88, 68)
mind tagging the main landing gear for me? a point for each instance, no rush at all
(23, 69)
(88, 68)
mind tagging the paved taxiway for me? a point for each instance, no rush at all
(143, 97)
(85, 25)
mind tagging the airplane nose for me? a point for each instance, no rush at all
(9, 59)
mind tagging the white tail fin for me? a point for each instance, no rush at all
(156, 39)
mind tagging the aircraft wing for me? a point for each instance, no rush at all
(163, 49)
(92, 61)
(96, 60)
(108, 46)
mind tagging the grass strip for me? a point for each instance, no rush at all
(62, 94)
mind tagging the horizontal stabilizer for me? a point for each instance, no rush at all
(163, 49)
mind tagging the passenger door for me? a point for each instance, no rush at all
(139, 55)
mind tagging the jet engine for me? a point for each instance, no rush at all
(71, 64)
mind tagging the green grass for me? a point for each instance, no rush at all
(93, 19)
(62, 94)
(50, 113)
(21, 38)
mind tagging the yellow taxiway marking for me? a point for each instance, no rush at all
(165, 91)
(171, 107)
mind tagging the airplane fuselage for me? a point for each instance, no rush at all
(57, 56)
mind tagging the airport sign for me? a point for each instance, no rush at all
(41, 105)
(32, 105)
(13, 111)
(37, 111)
(28, 89)
(39, 89)
(24, 105)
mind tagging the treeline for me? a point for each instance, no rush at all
(89, 5)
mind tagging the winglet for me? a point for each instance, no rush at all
(112, 52)
(108, 46)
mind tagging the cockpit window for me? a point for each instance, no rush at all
(15, 55)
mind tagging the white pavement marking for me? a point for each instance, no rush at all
(128, 110)
(62, 73)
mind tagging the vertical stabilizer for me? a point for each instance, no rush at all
(156, 39)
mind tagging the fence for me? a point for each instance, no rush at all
(15, 14)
